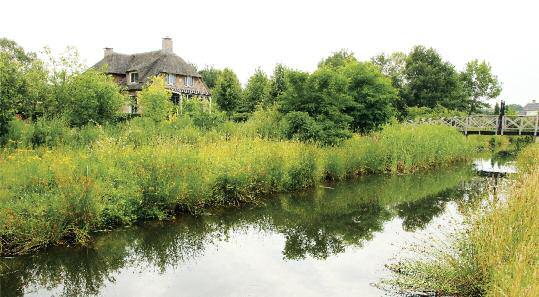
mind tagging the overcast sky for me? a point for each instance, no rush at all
(245, 35)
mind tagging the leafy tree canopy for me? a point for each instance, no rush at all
(227, 91)
(256, 92)
(210, 76)
(93, 97)
(480, 84)
(430, 81)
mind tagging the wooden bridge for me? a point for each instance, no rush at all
(492, 124)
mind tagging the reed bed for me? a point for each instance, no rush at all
(60, 195)
(495, 256)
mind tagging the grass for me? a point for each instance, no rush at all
(495, 256)
(60, 194)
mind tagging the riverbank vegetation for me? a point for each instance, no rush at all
(72, 164)
(496, 255)
(61, 194)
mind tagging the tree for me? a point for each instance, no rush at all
(210, 76)
(323, 97)
(497, 109)
(393, 66)
(480, 84)
(256, 92)
(338, 59)
(277, 84)
(12, 88)
(154, 100)
(373, 95)
(431, 81)
(93, 97)
(227, 91)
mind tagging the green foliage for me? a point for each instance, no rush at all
(393, 66)
(323, 97)
(495, 255)
(338, 59)
(277, 83)
(201, 114)
(210, 76)
(430, 81)
(12, 89)
(227, 92)
(256, 92)
(373, 94)
(93, 97)
(62, 194)
(417, 113)
(154, 100)
(480, 84)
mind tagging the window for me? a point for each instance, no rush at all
(133, 77)
(188, 81)
(171, 79)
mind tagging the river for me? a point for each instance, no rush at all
(330, 241)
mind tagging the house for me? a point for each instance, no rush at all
(531, 109)
(133, 71)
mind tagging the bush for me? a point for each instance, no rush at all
(92, 97)
(51, 133)
(154, 100)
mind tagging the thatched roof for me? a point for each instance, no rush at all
(146, 64)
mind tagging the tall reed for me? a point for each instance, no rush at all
(61, 195)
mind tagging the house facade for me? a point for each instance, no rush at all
(133, 71)
(531, 109)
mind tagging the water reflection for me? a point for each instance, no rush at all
(315, 225)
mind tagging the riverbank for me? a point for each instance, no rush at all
(61, 195)
(496, 255)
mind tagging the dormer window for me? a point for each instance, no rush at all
(171, 79)
(188, 81)
(133, 77)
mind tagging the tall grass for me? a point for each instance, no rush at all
(496, 256)
(60, 195)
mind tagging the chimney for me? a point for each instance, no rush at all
(108, 51)
(167, 45)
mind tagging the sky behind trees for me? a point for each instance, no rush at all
(245, 35)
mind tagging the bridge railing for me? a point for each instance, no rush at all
(477, 124)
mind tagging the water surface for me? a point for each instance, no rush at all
(331, 241)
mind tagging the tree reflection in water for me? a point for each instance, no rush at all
(318, 224)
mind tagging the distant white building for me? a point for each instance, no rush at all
(531, 108)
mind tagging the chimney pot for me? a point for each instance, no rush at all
(167, 44)
(108, 51)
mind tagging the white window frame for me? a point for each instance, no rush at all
(188, 81)
(132, 76)
(169, 77)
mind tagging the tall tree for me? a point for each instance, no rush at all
(210, 75)
(227, 91)
(480, 84)
(256, 92)
(393, 66)
(277, 83)
(338, 59)
(323, 97)
(430, 81)
(373, 94)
